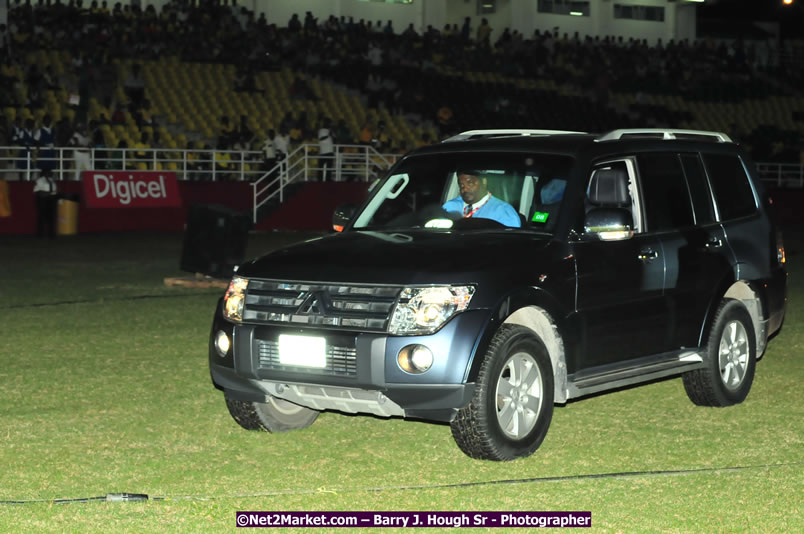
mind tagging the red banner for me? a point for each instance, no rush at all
(130, 189)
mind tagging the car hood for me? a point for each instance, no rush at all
(428, 257)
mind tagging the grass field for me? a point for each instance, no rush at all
(104, 388)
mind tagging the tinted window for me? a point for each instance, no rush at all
(664, 189)
(696, 180)
(730, 184)
(423, 187)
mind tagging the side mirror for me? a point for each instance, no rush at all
(609, 224)
(342, 215)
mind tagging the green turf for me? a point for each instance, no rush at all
(102, 392)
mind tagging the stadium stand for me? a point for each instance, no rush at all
(197, 64)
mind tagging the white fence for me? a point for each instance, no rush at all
(20, 163)
(790, 175)
(347, 163)
(350, 162)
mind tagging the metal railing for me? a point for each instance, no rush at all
(349, 162)
(355, 163)
(304, 164)
(66, 163)
(789, 175)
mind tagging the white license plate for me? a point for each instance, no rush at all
(302, 351)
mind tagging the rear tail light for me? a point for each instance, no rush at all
(780, 257)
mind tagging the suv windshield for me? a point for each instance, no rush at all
(469, 191)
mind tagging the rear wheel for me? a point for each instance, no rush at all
(512, 406)
(276, 415)
(731, 359)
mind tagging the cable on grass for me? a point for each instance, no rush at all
(112, 299)
(109, 497)
(129, 497)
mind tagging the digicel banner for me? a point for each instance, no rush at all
(130, 189)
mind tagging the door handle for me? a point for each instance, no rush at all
(648, 254)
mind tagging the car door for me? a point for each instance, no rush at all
(619, 299)
(697, 257)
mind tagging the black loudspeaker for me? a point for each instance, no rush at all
(214, 240)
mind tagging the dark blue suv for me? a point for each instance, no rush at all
(630, 256)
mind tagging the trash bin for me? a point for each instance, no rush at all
(67, 217)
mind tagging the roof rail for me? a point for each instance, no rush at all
(478, 134)
(665, 133)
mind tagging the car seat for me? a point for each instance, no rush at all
(545, 209)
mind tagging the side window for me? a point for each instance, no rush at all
(696, 179)
(630, 197)
(733, 192)
(665, 192)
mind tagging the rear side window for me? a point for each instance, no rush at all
(667, 199)
(696, 179)
(730, 185)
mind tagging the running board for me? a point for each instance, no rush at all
(612, 376)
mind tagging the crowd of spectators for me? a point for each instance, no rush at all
(408, 72)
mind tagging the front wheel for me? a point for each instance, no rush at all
(276, 415)
(512, 406)
(730, 359)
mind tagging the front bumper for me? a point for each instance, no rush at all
(365, 378)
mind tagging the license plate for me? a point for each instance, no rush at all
(302, 351)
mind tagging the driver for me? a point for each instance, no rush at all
(476, 201)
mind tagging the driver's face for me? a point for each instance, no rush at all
(472, 187)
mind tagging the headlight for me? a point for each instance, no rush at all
(235, 299)
(422, 310)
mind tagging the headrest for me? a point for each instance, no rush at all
(553, 191)
(609, 187)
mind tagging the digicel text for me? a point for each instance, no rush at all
(125, 190)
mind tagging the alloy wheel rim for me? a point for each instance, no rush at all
(733, 355)
(519, 395)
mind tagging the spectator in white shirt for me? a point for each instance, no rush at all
(269, 152)
(281, 144)
(326, 149)
(81, 153)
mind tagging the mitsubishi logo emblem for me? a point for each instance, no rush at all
(315, 303)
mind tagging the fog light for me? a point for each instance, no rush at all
(222, 343)
(415, 359)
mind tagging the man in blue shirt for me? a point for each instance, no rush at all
(476, 201)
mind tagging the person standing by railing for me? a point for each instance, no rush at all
(25, 138)
(326, 150)
(17, 138)
(282, 147)
(81, 154)
(282, 144)
(269, 152)
(45, 136)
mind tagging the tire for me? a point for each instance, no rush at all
(730, 359)
(495, 425)
(276, 415)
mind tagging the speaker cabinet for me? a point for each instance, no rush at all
(214, 240)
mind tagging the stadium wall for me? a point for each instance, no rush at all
(310, 208)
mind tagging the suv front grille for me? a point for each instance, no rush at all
(355, 307)
(341, 361)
